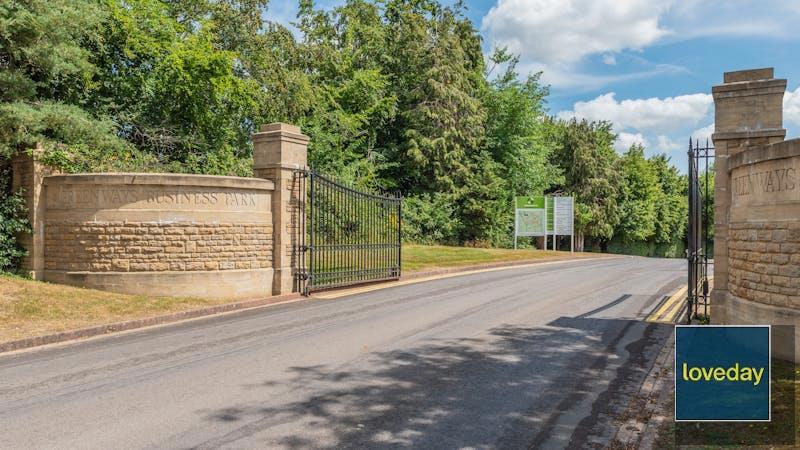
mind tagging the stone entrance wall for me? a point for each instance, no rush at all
(121, 231)
(165, 234)
(757, 205)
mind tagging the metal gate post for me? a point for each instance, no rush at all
(690, 237)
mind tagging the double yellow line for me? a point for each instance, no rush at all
(670, 309)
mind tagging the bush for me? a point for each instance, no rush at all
(639, 248)
(429, 219)
(13, 221)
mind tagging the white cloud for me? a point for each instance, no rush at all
(557, 36)
(626, 140)
(703, 134)
(665, 144)
(791, 107)
(690, 19)
(576, 82)
(650, 114)
(557, 32)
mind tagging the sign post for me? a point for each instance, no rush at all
(544, 216)
(564, 219)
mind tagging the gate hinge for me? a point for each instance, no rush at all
(301, 276)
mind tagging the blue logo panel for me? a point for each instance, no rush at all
(722, 373)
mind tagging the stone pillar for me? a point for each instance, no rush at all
(280, 149)
(28, 175)
(748, 112)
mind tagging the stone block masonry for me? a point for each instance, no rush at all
(153, 246)
(764, 262)
(169, 234)
(756, 206)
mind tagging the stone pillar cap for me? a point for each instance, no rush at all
(280, 131)
(738, 76)
(280, 126)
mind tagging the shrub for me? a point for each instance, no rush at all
(429, 219)
(13, 221)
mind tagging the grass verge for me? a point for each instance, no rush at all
(33, 308)
(782, 433)
(428, 257)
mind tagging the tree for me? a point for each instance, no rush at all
(46, 76)
(641, 194)
(343, 50)
(171, 91)
(438, 68)
(395, 94)
(671, 204)
(517, 139)
(591, 173)
(707, 195)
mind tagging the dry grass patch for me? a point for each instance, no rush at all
(34, 308)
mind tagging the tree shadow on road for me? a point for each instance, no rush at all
(511, 388)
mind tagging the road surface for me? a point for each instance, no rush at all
(534, 357)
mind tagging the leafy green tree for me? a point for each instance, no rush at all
(171, 91)
(394, 94)
(354, 98)
(517, 140)
(13, 222)
(438, 64)
(592, 174)
(640, 196)
(46, 76)
(707, 195)
(671, 204)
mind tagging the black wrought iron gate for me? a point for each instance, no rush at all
(698, 247)
(346, 236)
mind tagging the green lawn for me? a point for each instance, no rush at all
(427, 257)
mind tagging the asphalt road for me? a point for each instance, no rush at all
(535, 357)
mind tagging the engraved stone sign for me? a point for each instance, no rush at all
(766, 182)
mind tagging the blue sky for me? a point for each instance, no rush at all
(646, 65)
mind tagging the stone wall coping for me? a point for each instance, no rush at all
(161, 179)
(749, 134)
(757, 87)
(753, 155)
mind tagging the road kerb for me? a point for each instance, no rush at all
(108, 329)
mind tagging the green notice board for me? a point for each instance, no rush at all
(529, 202)
(537, 202)
(530, 218)
(539, 215)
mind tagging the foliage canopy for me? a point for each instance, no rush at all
(394, 93)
